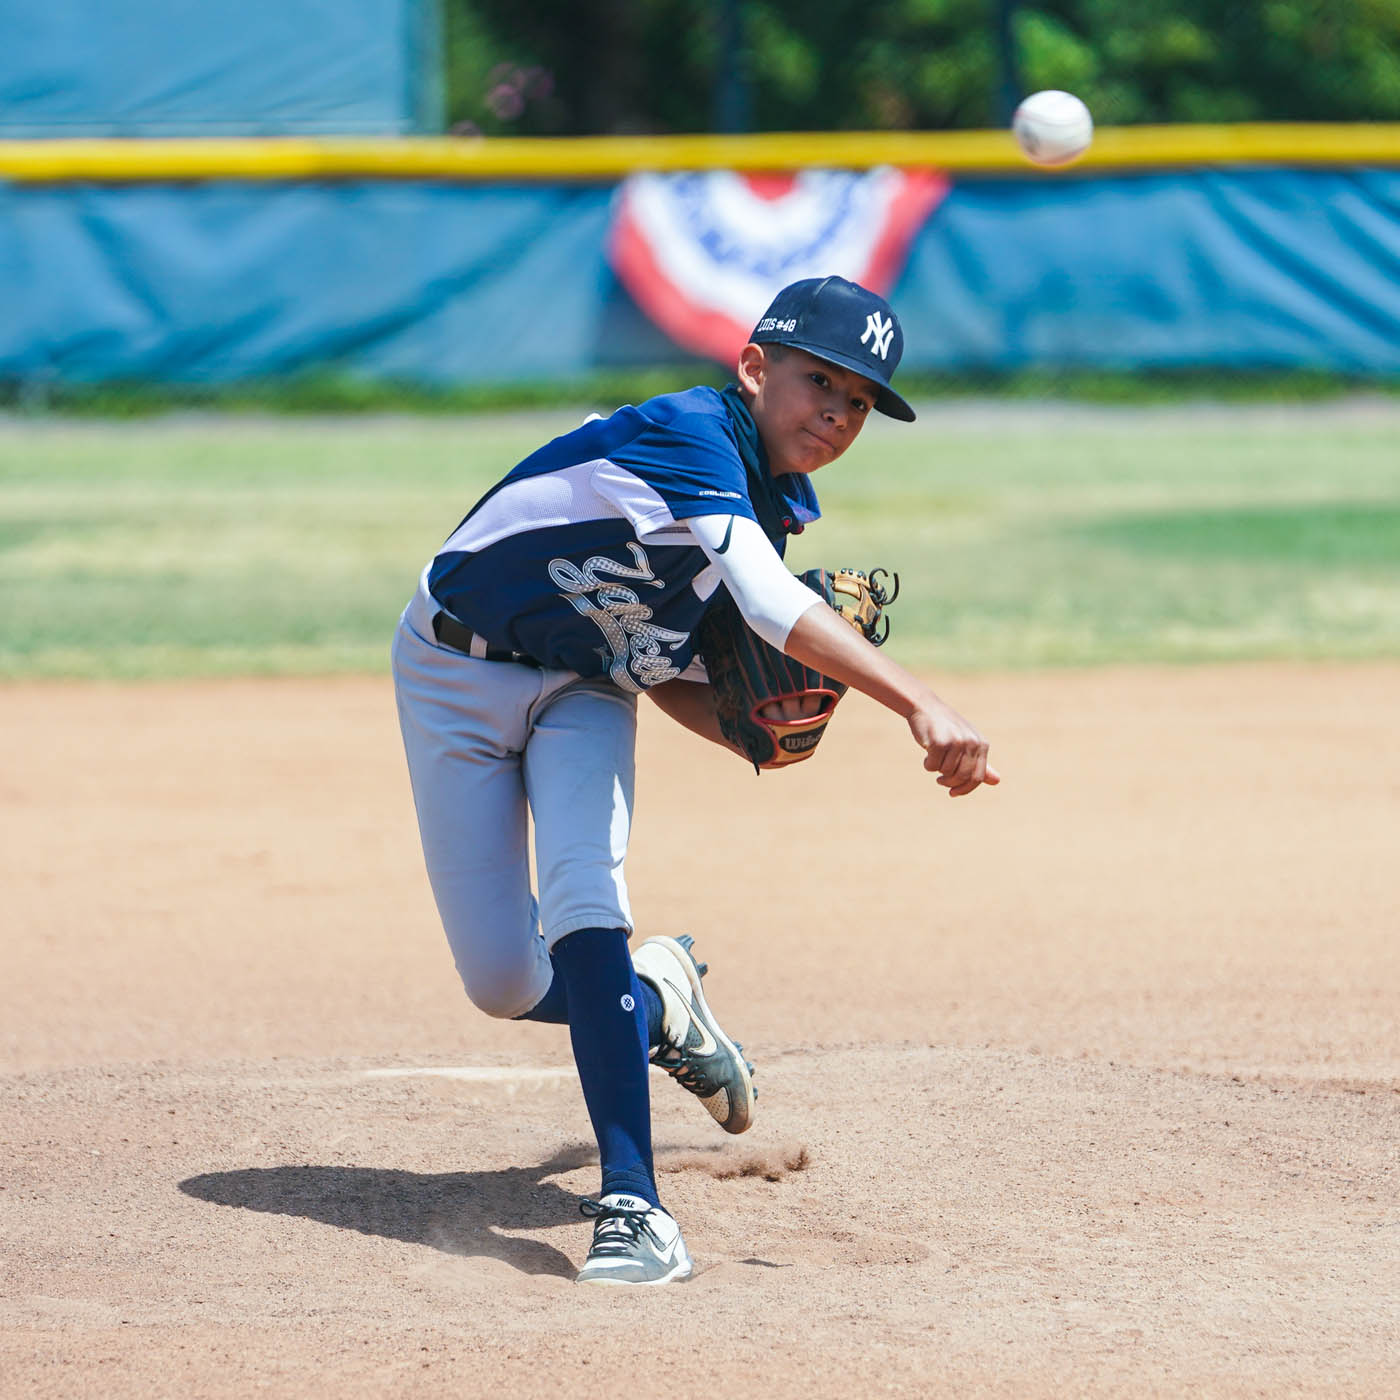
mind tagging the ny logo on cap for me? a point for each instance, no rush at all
(882, 331)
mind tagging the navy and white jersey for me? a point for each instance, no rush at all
(586, 556)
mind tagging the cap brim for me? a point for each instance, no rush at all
(886, 401)
(892, 406)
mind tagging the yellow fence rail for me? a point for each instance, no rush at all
(117, 161)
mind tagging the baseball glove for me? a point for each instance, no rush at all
(760, 692)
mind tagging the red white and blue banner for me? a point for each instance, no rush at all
(704, 254)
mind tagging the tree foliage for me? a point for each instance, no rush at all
(572, 67)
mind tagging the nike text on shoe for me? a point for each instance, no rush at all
(633, 1242)
(694, 1051)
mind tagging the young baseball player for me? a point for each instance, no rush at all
(575, 585)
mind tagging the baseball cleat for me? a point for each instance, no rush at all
(694, 1051)
(633, 1242)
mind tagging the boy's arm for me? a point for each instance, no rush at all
(787, 615)
(693, 705)
(952, 746)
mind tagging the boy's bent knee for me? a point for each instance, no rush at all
(507, 998)
(503, 1005)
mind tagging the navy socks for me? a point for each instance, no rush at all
(553, 1007)
(605, 1005)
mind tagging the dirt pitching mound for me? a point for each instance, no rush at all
(1087, 1085)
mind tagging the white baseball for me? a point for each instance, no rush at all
(1053, 127)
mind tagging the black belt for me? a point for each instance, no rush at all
(459, 637)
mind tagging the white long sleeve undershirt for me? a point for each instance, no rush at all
(770, 598)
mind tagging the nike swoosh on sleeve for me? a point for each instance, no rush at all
(723, 546)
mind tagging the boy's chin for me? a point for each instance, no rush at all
(799, 463)
(807, 465)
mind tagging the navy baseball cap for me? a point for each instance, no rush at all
(840, 321)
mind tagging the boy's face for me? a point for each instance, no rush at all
(808, 411)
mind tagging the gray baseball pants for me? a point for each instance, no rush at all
(490, 745)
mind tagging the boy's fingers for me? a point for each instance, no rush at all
(961, 765)
(958, 788)
(970, 761)
(979, 772)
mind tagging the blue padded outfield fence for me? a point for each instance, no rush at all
(433, 260)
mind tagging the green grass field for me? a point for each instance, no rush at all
(1024, 535)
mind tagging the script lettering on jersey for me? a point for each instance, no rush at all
(634, 641)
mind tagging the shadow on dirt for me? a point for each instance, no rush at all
(455, 1212)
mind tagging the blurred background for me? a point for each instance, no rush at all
(1159, 412)
(739, 65)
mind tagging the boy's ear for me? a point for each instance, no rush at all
(753, 365)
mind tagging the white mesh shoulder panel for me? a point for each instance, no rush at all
(598, 490)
